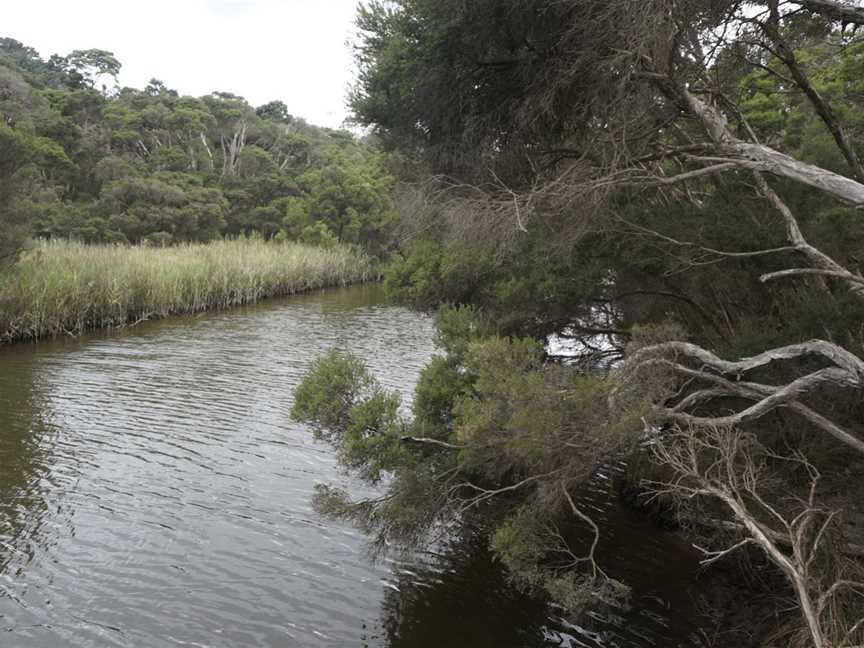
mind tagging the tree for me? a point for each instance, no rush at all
(626, 176)
(86, 67)
(133, 164)
(275, 111)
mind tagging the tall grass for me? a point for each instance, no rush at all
(65, 287)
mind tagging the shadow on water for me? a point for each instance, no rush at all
(461, 596)
(154, 492)
(31, 472)
(26, 463)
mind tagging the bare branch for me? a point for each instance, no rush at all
(783, 396)
(786, 54)
(488, 493)
(759, 157)
(792, 272)
(835, 10)
(815, 256)
(636, 177)
(720, 463)
(714, 556)
(585, 518)
(434, 442)
(748, 391)
(837, 355)
(708, 250)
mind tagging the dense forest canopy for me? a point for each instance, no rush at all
(674, 187)
(85, 159)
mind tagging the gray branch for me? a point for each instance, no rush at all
(834, 10)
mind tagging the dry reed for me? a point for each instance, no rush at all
(62, 287)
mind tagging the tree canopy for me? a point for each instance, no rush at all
(95, 162)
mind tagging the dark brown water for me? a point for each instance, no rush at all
(154, 492)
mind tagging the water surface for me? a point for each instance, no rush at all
(154, 492)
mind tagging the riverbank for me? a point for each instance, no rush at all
(63, 287)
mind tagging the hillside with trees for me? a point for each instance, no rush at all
(674, 189)
(84, 159)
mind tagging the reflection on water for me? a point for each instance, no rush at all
(461, 596)
(154, 492)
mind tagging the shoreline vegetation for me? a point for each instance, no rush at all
(67, 288)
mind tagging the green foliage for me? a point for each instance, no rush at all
(502, 413)
(348, 196)
(107, 164)
(336, 382)
(417, 278)
(508, 380)
(450, 76)
(275, 111)
(318, 234)
(456, 327)
(523, 544)
(579, 593)
(441, 383)
(14, 151)
(21, 154)
(346, 407)
(84, 67)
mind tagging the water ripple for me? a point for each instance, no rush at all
(154, 492)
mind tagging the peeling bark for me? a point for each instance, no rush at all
(759, 157)
(837, 355)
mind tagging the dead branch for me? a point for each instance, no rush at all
(721, 464)
(849, 549)
(782, 396)
(834, 10)
(759, 157)
(818, 258)
(792, 272)
(831, 352)
(484, 494)
(433, 442)
(847, 372)
(594, 528)
(747, 391)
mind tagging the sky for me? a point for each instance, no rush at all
(293, 50)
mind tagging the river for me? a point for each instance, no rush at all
(155, 492)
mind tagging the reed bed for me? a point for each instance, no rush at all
(62, 287)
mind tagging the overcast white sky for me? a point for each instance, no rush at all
(293, 50)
